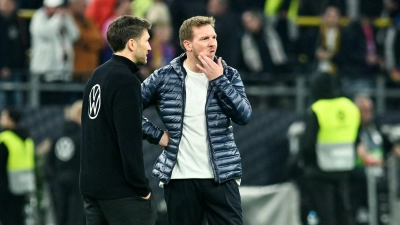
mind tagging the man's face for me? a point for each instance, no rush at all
(143, 48)
(7, 6)
(331, 17)
(251, 22)
(204, 40)
(366, 111)
(50, 11)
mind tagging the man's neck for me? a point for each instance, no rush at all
(124, 54)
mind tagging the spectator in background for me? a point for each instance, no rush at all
(361, 59)
(63, 168)
(140, 7)
(13, 45)
(328, 153)
(182, 10)
(226, 26)
(371, 151)
(17, 162)
(163, 50)
(263, 56)
(53, 32)
(121, 7)
(283, 14)
(99, 11)
(392, 51)
(158, 13)
(329, 41)
(261, 47)
(392, 7)
(87, 47)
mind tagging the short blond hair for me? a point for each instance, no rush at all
(186, 29)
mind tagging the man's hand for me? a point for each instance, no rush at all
(164, 139)
(148, 196)
(211, 69)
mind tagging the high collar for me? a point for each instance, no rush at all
(125, 61)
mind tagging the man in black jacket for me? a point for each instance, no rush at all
(13, 44)
(63, 169)
(112, 177)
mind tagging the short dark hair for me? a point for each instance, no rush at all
(14, 114)
(186, 30)
(124, 28)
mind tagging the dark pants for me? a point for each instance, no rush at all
(331, 200)
(12, 209)
(190, 201)
(125, 211)
(69, 205)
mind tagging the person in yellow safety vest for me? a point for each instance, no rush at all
(16, 168)
(328, 151)
(274, 7)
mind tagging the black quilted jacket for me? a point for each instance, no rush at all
(226, 103)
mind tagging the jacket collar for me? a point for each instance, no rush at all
(126, 62)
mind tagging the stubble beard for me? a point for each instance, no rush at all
(141, 59)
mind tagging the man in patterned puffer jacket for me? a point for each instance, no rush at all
(197, 97)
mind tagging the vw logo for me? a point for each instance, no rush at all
(64, 149)
(94, 101)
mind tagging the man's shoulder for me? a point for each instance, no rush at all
(165, 70)
(110, 69)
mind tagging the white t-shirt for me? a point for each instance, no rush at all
(194, 152)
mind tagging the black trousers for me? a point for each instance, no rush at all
(69, 205)
(331, 200)
(125, 211)
(190, 201)
(12, 209)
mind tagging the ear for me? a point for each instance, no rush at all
(131, 45)
(187, 45)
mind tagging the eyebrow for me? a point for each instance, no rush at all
(206, 36)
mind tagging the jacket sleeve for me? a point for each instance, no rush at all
(309, 139)
(232, 96)
(150, 132)
(127, 113)
(71, 27)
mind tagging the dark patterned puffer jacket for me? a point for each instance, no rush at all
(226, 103)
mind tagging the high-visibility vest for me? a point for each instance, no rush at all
(271, 8)
(339, 121)
(20, 163)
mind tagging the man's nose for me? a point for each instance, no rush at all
(212, 42)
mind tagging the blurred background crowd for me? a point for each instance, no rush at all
(270, 42)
